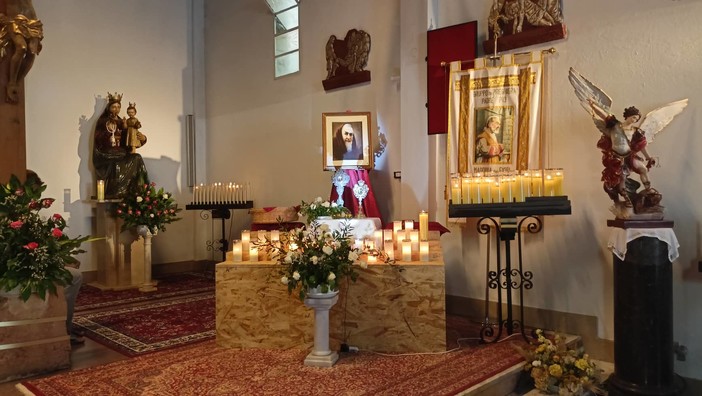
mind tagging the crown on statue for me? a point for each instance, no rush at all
(112, 98)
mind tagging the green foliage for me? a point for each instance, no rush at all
(319, 207)
(148, 206)
(33, 250)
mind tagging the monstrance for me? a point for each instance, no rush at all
(340, 180)
(360, 191)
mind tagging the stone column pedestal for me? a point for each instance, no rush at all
(321, 355)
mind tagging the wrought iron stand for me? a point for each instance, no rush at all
(223, 212)
(505, 278)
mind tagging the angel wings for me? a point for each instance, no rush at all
(597, 103)
(623, 147)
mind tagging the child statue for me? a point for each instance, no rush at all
(132, 125)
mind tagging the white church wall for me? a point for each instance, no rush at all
(141, 49)
(269, 131)
(644, 53)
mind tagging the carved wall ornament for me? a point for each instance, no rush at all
(346, 59)
(520, 23)
(20, 42)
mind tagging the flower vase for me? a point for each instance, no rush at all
(321, 355)
(145, 232)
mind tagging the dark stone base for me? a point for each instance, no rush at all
(618, 387)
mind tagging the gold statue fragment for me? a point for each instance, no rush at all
(21, 33)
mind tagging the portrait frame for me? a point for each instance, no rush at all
(350, 153)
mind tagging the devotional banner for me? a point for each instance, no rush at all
(494, 116)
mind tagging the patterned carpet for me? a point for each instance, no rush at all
(152, 326)
(206, 369)
(92, 298)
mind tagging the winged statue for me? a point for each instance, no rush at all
(623, 145)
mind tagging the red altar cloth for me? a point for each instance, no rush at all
(370, 207)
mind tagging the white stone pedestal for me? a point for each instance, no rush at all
(321, 355)
(148, 285)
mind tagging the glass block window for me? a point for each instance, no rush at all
(287, 39)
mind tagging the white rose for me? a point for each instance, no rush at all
(536, 363)
(139, 199)
(334, 205)
(313, 206)
(318, 199)
(328, 250)
(165, 196)
(288, 259)
(284, 280)
(331, 276)
(151, 215)
(363, 264)
(325, 204)
(314, 259)
(353, 256)
(296, 275)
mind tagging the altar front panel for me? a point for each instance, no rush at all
(398, 308)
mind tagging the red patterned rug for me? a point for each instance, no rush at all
(206, 369)
(91, 298)
(152, 327)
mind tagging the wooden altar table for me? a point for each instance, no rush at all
(399, 308)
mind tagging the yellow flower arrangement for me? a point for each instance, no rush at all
(556, 369)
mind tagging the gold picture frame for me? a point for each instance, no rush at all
(346, 141)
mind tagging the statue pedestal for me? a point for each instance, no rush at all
(643, 312)
(120, 256)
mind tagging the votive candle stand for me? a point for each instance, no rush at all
(480, 188)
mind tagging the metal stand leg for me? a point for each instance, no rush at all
(223, 214)
(506, 279)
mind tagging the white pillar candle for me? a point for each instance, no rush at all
(100, 190)
(423, 225)
(424, 251)
(275, 238)
(455, 190)
(409, 224)
(465, 189)
(406, 250)
(558, 182)
(372, 259)
(236, 251)
(396, 227)
(387, 234)
(245, 240)
(253, 253)
(414, 238)
(378, 238)
(390, 250)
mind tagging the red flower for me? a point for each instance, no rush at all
(57, 233)
(47, 202)
(16, 224)
(129, 211)
(138, 212)
(19, 192)
(119, 211)
(57, 216)
(31, 246)
(147, 199)
(34, 204)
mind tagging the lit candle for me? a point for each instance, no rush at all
(424, 251)
(194, 199)
(372, 259)
(506, 187)
(423, 225)
(387, 234)
(253, 253)
(526, 184)
(378, 238)
(455, 190)
(518, 188)
(406, 250)
(100, 190)
(262, 249)
(390, 250)
(396, 227)
(245, 240)
(465, 189)
(409, 224)
(558, 182)
(475, 190)
(485, 188)
(536, 183)
(236, 251)
(275, 238)
(414, 237)
(548, 184)
(496, 190)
